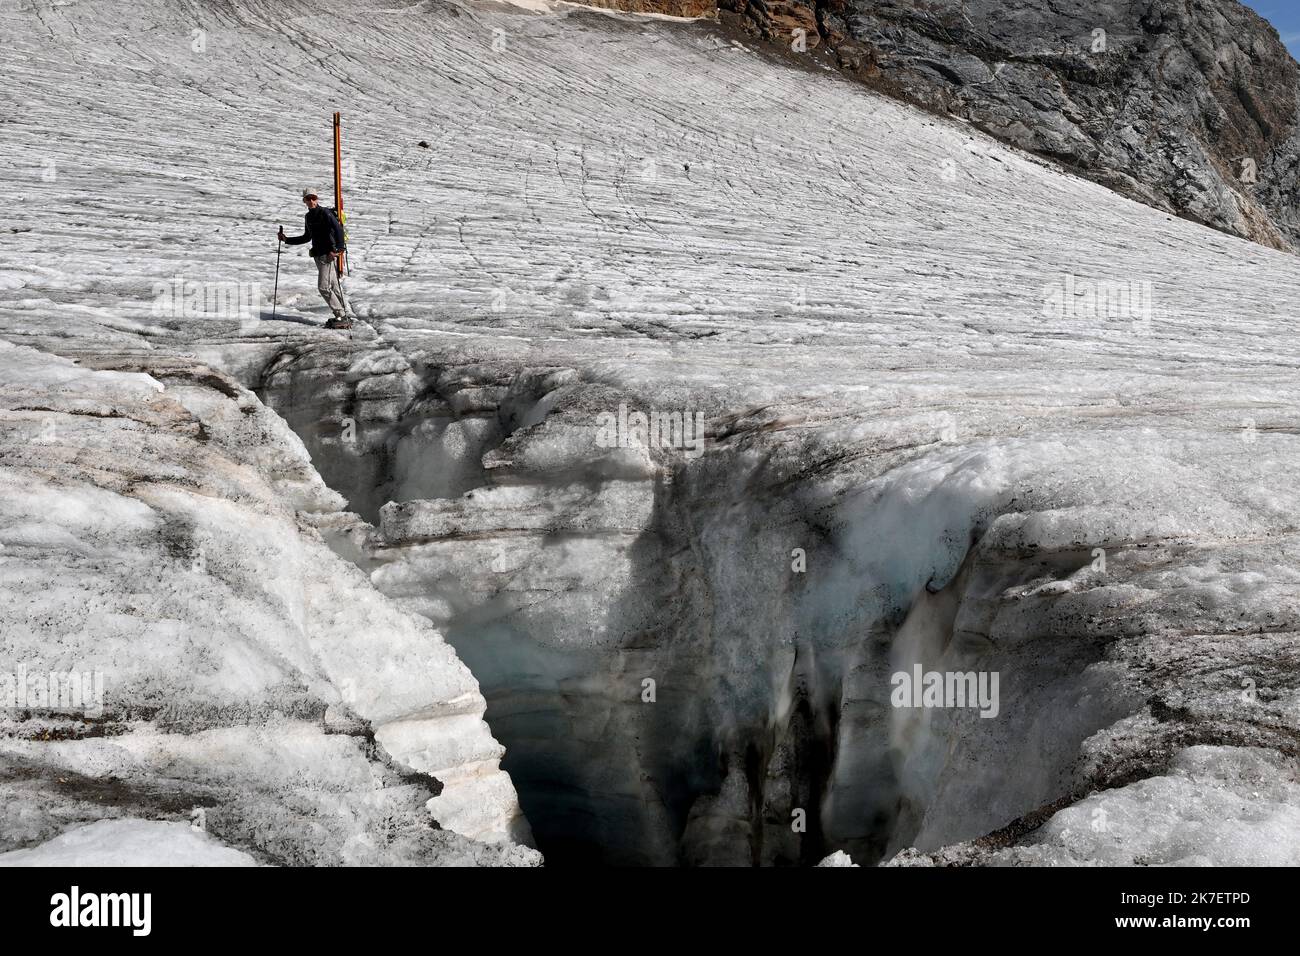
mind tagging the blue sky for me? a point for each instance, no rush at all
(1285, 15)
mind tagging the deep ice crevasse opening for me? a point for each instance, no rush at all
(772, 686)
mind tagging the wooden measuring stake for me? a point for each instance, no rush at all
(338, 181)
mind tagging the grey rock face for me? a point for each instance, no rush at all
(1188, 107)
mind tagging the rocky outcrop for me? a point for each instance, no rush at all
(669, 8)
(1190, 107)
(788, 22)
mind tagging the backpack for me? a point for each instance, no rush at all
(338, 223)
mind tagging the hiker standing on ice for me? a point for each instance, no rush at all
(326, 235)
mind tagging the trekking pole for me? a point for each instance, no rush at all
(279, 248)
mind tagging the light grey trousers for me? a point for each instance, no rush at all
(330, 285)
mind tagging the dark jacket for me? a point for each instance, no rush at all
(324, 231)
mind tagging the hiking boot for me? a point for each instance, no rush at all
(339, 323)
